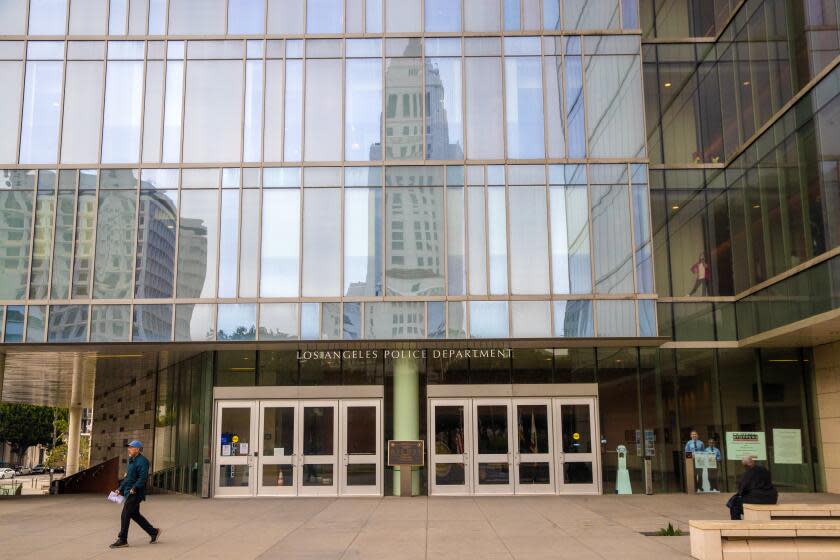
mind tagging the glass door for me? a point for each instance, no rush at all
(449, 459)
(361, 448)
(277, 468)
(318, 443)
(493, 453)
(235, 448)
(577, 443)
(533, 457)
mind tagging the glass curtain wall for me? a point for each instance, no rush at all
(183, 425)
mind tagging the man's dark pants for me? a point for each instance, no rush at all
(736, 507)
(131, 510)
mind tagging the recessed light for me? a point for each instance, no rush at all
(746, 82)
(667, 84)
(675, 207)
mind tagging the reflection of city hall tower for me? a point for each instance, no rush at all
(413, 215)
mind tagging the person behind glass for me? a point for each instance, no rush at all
(692, 446)
(713, 473)
(754, 487)
(133, 487)
(701, 273)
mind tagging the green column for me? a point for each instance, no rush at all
(406, 410)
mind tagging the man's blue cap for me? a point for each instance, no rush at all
(135, 443)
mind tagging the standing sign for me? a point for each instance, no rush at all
(705, 460)
(787, 446)
(739, 444)
(405, 454)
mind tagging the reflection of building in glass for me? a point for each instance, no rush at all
(437, 123)
(15, 217)
(155, 245)
(413, 215)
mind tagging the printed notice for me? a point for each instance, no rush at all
(243, 448)
(225, 450)
(739, 444)
(787, 446)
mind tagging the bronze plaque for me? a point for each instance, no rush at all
(408, 453)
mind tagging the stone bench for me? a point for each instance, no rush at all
(741, 540)
(761, 512)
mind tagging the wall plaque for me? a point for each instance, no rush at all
(405, 453)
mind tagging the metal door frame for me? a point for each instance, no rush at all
(479, 489)
(594, 457)
(347, 459)
(292, 459)
(458, 458)
(551, 487)
(248, 460)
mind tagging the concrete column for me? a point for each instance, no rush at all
(74, 420)
(827, 388)
(407, 410)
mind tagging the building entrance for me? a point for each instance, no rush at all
(298, 447)
(514, 446)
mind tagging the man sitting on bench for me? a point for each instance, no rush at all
(754, 487)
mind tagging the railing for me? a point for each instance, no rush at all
(99, 478)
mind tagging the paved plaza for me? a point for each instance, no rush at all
(575, 527)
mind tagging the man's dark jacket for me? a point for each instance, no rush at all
(135, 477)
(755, 487)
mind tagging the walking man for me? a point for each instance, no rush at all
(133, 488)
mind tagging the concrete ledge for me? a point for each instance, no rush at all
(733, 540)
(761, 512)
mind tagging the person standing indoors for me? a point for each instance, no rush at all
(714, 473)
(754, 487)
(701, 273)
(695, 445)
(133, 488)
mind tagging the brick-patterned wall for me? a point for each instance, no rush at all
(123, 411)
(827, 381)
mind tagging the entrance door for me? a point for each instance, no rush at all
(277, 471)
(577, 445)
(361, 437)
(449, 459)
(319, 448)
(493, 453)
(235, 448)
(533, 449)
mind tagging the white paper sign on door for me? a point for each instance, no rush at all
(787, 446)
(739, 444)
(243, 448)
(226, 450)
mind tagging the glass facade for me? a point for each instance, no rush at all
(581, 181)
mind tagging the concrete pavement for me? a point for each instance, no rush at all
(532, 527)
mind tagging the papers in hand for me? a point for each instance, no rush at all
(116, 498)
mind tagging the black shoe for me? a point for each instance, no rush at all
(119, 544)
(155, 537)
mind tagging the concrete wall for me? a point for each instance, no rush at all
(827, 386)
(123, 410)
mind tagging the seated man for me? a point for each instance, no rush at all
(754, 487)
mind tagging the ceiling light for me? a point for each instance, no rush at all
(675, 207)
(746, 82)
(667, 84)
